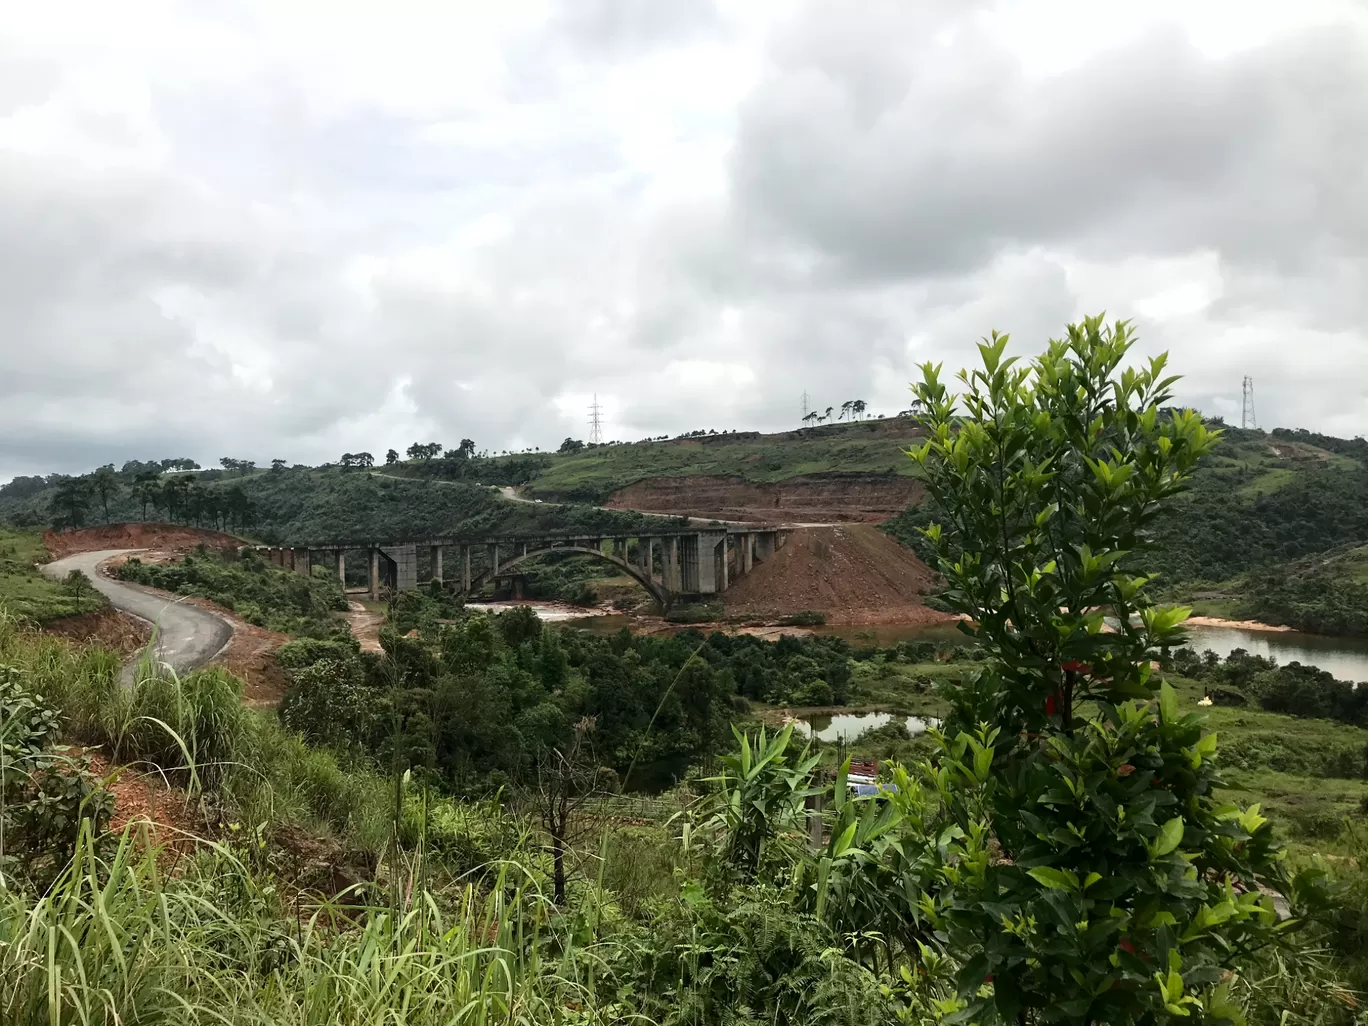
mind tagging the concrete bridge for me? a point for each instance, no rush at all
(689, 562)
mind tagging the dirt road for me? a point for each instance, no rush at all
(186, 635)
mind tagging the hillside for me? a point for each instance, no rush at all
(869, 448)
(1270, 531)
(293, 506)
(1263, 533)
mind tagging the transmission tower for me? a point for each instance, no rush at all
(595, 422)
(1247, 419)
(806, 402)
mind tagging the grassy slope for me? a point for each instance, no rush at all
(594, 474)
(25, 592)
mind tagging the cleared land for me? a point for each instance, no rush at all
(853, 573)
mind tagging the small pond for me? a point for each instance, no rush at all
(846, 727)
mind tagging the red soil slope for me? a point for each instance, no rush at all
(171, 537)
(854, 573)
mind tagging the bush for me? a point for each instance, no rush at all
(47, 793)
(302, 652)
(259, 592)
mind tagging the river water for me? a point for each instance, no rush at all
(1344, 658)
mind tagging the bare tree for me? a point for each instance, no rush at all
(567, 777)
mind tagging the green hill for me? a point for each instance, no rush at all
(295, 506)
(593, 474)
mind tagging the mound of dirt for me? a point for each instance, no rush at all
(170, 537)
(107, 628)
(854, 573)
(816, 497)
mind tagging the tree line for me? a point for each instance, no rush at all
(180, 498)
(853, 409)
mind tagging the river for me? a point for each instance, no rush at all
(1344, 658)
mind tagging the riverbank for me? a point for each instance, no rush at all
(1239, 625)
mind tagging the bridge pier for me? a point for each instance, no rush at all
(465, 568)
(494, 560)
(671, 561)
(764, 545)
(340, 562)
(303, 560)
(646, 557)
(435, 563)
(403, 560)
(373, 580)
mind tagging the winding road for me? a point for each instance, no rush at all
(186, 635)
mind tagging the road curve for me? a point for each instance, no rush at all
(187, 636)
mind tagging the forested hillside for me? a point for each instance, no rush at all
(288, 506)
(1272, 529)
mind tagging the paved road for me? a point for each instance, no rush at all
(187, 636)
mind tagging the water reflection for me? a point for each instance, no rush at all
(848, 726)
(1343, 658)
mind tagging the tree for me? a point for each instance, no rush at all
(147, 490)
(105, 482)
(71, 502)
(277, 464)
(391, 458)
(858, 407)
(571, 445)
(845, 409)
(1124, 890)
(567, 778)
(419, 451)
(466, 449)
(364, 460)
(175, 492)
(78, 586)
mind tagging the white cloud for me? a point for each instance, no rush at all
(292, 229)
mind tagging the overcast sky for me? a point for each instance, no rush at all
(279, 229)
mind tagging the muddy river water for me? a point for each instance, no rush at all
(1344, 658)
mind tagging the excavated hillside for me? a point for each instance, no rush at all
(167, 537)
(854, 573)
(826, 498)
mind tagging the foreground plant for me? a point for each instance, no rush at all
(1091, 874)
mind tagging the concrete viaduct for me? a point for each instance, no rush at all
(668, 564)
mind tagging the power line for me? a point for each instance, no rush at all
(595, 422)
(1248, 420)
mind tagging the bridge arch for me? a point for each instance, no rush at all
(656, 589)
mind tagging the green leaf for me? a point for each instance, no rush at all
(1055, 879)
(1170, 836)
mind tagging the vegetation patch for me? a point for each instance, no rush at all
(259, 592)
(26, 592)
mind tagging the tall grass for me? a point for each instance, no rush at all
(117, 941)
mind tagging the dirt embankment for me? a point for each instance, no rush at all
(868, 498)
(854, 573)
(107, 628)
(171, 537)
